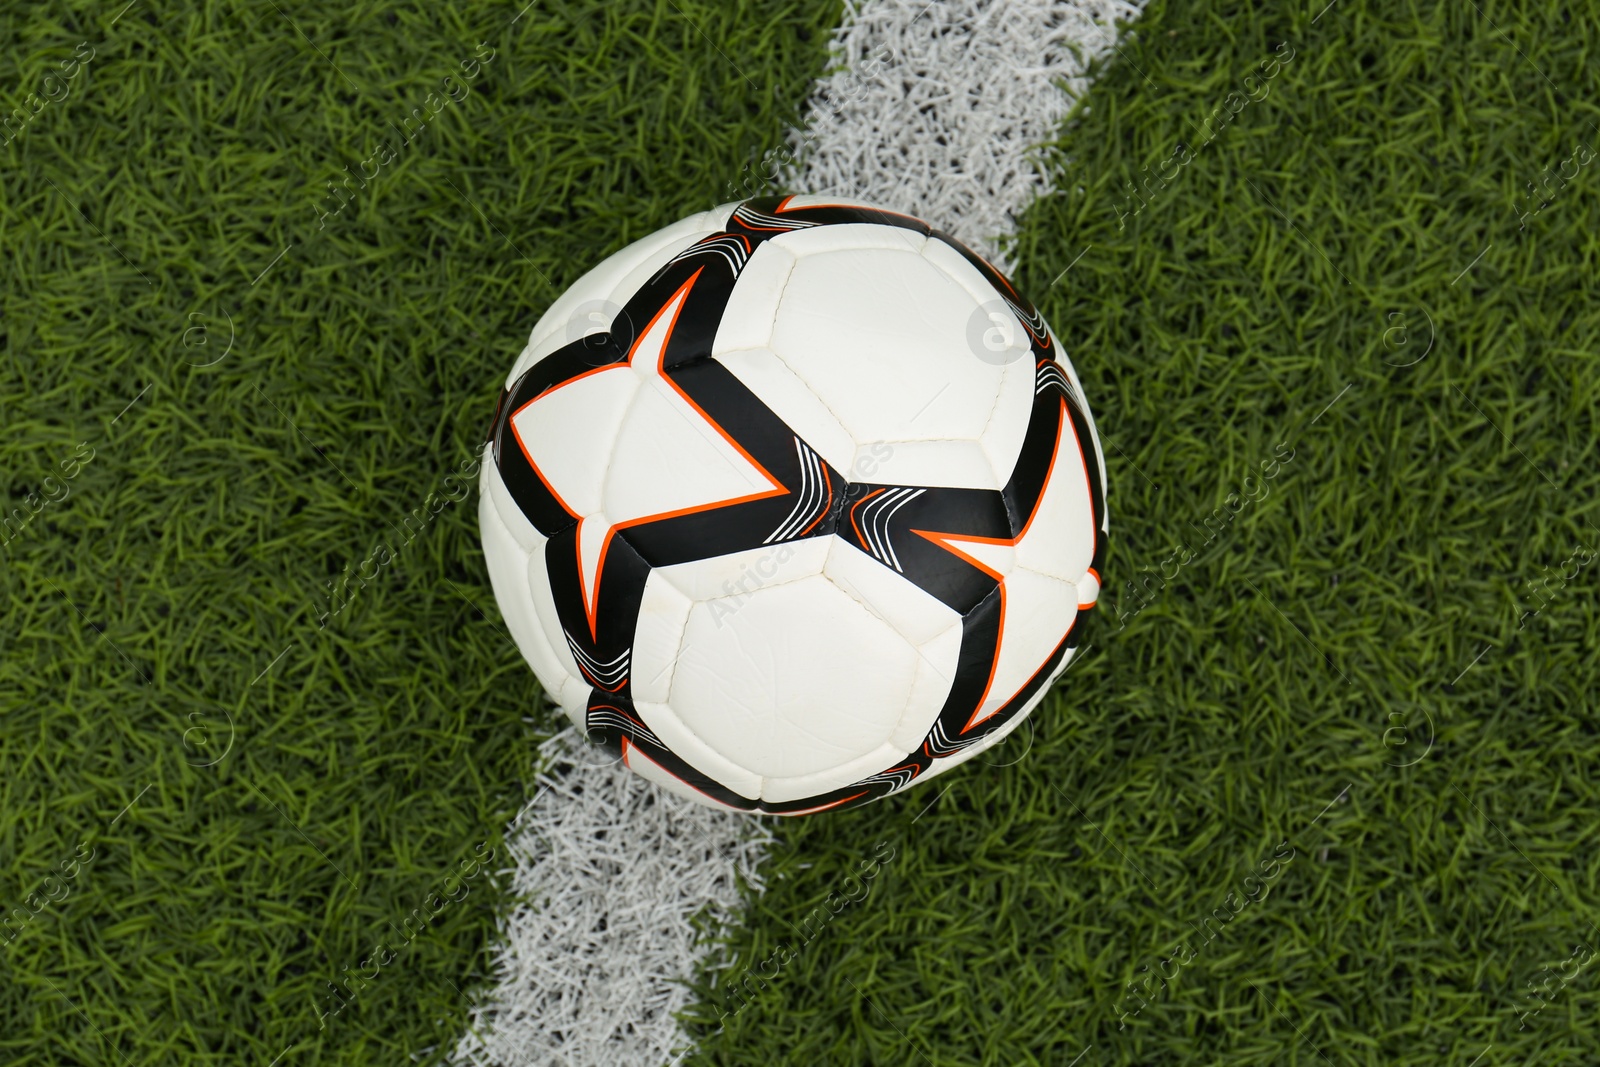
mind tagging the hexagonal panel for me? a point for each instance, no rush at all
(734, 577)
(747, 319)
(902, 367)
(951, 464)
(769, 688)
(509, 574)
(914, 614)
(663, 614)
(1008, 424)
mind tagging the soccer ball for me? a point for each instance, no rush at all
(794, 503)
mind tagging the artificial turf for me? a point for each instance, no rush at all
(1321, 692)
(1351, 273)
(266, 525)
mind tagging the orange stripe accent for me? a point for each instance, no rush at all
(591, 597)
(1043, 339)
(943, 541)
(600, 687)
(720, 236)
(1032, 673)
(1055, 450)
(696, 508)
(770, 229)
(1088, 487)
(778, 488)
(824, 807)
(583, 586)
(828, 480)
(1099, 585)
(1049, 474)
(856, 507)
(680, 298)
(783, 206)
(994, 664)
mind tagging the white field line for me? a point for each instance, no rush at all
(610, 871)
(945, 123)
(933, 109)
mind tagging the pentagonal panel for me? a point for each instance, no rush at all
(881, 338)
(798, 680)
(951, 262)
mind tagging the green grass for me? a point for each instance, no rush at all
(174, 583)
(1254, 685)
(1374, 586)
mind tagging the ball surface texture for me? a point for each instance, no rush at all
(794, 503)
